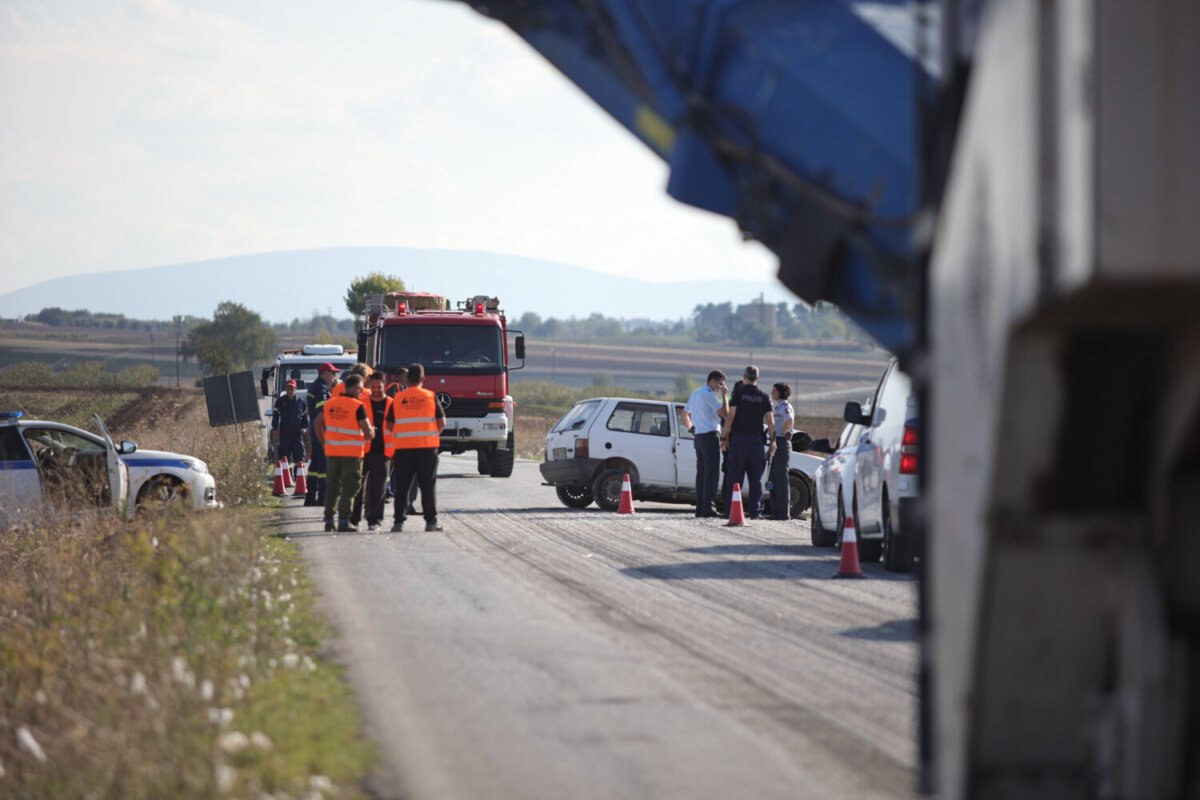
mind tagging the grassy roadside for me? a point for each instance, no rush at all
(171, 657)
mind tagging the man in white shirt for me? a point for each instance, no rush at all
(703, 414)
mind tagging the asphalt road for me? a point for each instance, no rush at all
(531, 651)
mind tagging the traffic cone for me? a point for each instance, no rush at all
(736, 517)
(626, 506)
(849, 568)
(301, 479)
(278, 489)
(287, 474)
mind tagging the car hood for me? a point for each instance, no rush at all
(160, 458)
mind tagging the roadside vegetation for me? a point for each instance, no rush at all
(177, 656)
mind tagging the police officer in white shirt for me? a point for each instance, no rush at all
(705, 409)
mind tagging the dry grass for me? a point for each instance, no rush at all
(175, 657)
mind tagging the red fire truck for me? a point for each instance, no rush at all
(465, 354)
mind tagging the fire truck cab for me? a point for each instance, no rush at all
(465, 354)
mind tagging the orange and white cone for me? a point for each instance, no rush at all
(849, 568)
(626, 506)
(736, 517)
(278, 490)
(301, 479)
(287, 474)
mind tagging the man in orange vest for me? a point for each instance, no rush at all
(345, 431)
(377, 459)
(416, 423)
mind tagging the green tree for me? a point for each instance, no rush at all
(362, 288)
(235, 339)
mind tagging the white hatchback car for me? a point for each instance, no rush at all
(41, 460)
(599, 440)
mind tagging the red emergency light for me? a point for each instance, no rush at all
(402, 308)
(479, 309)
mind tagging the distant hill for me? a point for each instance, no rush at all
(285, 285)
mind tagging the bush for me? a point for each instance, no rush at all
(27, 373)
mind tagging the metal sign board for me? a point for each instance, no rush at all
(231, 399)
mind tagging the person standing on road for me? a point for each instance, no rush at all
(749, 411)
(783, 422)
(319, 392)
(290, 423)
(417, 424)
(345, 431)
(377, 464)
(702, 415)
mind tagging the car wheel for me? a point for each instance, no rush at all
(574, 496)
(606, 489)
(820, 536)
(799, 493)
(162, 494)
(898, 553)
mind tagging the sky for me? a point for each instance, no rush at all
(145, 132)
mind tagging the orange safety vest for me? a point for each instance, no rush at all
(338, 388)
(343, 436)
(369, 405)
(415, 413)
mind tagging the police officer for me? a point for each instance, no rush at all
(345, 432)
(749, 411)
(319, 392)
(417, 423)
(290, 421)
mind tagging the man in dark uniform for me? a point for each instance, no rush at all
(319, 392)
(749, 411)
(377, 459)
(290, 420)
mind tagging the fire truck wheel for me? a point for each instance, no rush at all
(483, 461)
(501, 461)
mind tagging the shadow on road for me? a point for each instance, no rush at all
(894, 630)
(755, 569)
(757, 550)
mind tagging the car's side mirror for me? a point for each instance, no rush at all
(821, 445)
(127, 447)
(801, 441)
(853, 413)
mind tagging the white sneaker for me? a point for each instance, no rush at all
(374, 526)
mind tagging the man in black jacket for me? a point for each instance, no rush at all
(742, 434)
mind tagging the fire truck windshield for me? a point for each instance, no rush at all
(444, 349)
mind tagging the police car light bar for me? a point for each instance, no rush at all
(11, 414)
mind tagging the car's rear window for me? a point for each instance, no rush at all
(577, 416)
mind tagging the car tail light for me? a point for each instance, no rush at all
(909, 461)
(581, 448)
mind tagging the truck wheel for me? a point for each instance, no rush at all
(799, 493)
(606, 489)
(501, 461)
(897, 552)
(574, 496)
(820, 536)
(483, 460)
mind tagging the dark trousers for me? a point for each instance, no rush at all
(291, 447)
(747, 461)
(422, 462)
(376, 468)
(781, 489)
(316, 473)
(708, 469)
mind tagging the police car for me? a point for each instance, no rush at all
(51, 462)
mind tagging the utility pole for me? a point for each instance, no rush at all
(178, 336)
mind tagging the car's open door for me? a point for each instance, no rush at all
(118, 473)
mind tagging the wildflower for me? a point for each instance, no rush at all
(233, 742)
(261, 740)
(220, 716)
(320, 783)
(26, 742)
(291, 660)
(206, 690)
(226, 777)
(137, 684)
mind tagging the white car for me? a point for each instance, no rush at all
(886, 469)
(833, 484)
(599, 440)
(44, 461)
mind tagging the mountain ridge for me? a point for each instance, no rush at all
(284, 284)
